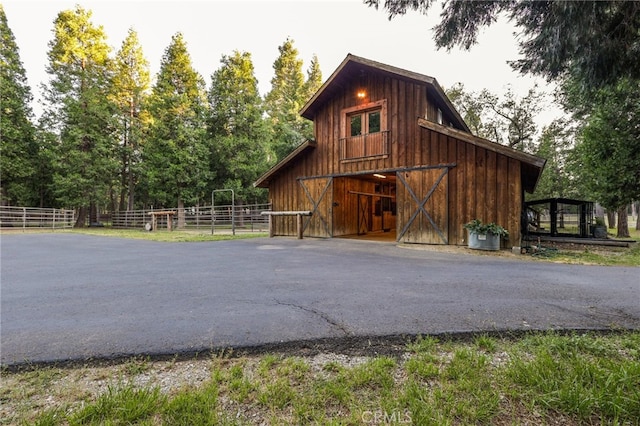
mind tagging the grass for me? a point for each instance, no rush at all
(540, 378)
(594, 255)
(168, 236)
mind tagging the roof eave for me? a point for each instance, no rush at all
(263, 181)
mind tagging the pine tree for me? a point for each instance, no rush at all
(311, 86)
(79, 112)
(18, 149)
(314, 79)
(131, 83)
(284, 101)
(175, 155)
(238, 132)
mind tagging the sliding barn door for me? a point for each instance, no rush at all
(422, 206)
(319, 200)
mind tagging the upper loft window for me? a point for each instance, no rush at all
(362, 123)
(364, 131)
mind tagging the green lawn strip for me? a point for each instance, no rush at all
(586, 378)
(168, 236)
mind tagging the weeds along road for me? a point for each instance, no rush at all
(75, 297)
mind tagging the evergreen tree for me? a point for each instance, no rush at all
(45, 165)
(311, 86)
(608, 154)
(18, 148)
(131, 83)
(175, 155)
(284, 101)
(237, 129)
(79, 112)
(558, 180)
(314, 79)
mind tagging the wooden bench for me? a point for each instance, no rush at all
(154, 218)
(298, 215)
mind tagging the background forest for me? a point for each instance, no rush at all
(113, 137)
(110, 139)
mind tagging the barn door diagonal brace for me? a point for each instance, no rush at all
(363, 209)
(316, 205)
(421, 205)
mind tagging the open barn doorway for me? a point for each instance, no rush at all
(365, 207)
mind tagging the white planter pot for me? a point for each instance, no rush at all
(488, 241)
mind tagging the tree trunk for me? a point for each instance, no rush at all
(623, 223)
(637, 204)
(130, 201)
(93, 214)
(181, 218)
(123, 189)
(611, 218)
(82, 217)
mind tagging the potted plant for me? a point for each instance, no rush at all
(599, 229)
(485, 236)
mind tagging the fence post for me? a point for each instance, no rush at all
(24, 218)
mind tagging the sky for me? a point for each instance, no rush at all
(330, 29)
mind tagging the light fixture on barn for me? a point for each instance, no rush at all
(361, 91)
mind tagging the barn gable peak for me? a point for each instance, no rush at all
(353, 66)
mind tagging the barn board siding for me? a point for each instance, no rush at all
(515, 204)
(502, 192)
(491, 188)
(458, 200)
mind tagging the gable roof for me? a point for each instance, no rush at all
(351, 68)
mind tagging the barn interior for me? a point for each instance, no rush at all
(364, 207)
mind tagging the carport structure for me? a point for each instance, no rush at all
(392, 155)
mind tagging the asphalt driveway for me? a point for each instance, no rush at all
(71, 297)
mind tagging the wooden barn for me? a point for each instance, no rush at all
(392, 157)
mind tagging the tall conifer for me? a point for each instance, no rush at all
(286, 98)
(18, 149)
(237, 128)
(79, 112)
(131, 84)
(175, 155)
